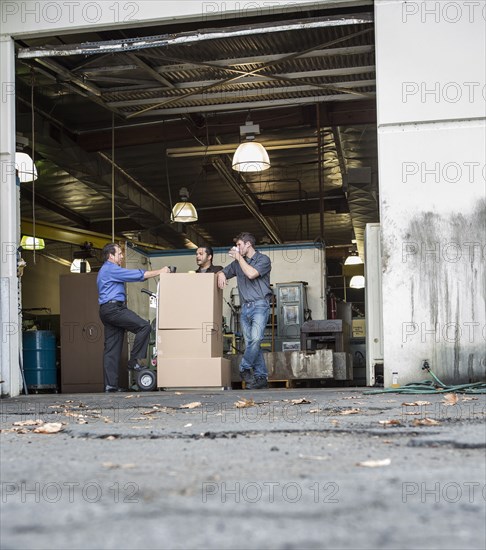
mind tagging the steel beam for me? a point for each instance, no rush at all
(71, 235)
(246, 199)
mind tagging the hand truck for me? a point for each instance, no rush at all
(147, 378)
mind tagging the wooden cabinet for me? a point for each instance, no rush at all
(82, 336)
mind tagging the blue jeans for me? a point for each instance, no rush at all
(254, 317)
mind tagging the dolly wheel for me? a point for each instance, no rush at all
(146, 380)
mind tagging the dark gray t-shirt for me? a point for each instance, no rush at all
(251, 290)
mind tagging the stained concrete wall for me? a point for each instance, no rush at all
(431, 99)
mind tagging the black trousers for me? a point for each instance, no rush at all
(117, 318)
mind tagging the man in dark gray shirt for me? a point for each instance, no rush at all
(252, 271)
(204, 260)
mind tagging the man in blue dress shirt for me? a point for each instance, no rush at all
(252, 272)
(115, 315)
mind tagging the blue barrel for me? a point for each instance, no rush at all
(39, 352)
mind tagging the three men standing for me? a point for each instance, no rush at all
(252, 271)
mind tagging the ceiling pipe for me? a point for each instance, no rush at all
(165, 40)
(229, 148)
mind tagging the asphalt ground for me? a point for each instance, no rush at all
(280, 468)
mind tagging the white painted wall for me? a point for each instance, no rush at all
(40, 282)
(45, 17)
(431, 95)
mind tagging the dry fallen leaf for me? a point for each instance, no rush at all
(425, 422)
(129, 397)
(82, 421)
(375, 463)
(315, 410)
(450, 399)
(469, 399)
(192, 405)
(301, 401)
(390, 422)
(350, 411)
(114, 466)
(75, 415)
(243, 403)
(29, 423)
(416, 404)
(413, 413)
(353, 397)
(49, 428)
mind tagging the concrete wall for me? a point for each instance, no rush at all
(9, 228)
(40, 283)
(431, 98)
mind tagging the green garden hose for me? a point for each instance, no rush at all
(429, 386)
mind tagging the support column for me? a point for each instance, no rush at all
(10, 330)
(431, 105)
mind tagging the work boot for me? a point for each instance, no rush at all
(137, 367)
(248, 378)
(261, 383)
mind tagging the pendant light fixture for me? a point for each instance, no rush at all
(25, 167)
(358, 281)
(353, 259)
(80, 266)
(250, 156)
(32, 243)
(184, 211)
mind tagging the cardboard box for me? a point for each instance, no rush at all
(189, 372)
(189, 301)
(190, 342)
(358, 328)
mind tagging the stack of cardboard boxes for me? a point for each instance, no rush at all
(189, 335)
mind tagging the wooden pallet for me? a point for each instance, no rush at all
(275, 384)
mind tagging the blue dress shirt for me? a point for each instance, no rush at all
(111, 281)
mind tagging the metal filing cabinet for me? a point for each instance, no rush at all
(291, 309)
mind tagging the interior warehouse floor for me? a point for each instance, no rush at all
(280, 468)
